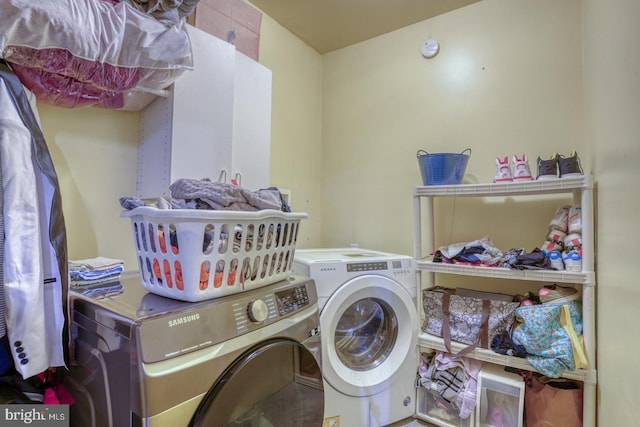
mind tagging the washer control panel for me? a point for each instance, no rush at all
(367, 266)
(394, 267)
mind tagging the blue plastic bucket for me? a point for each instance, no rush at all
(442, 168)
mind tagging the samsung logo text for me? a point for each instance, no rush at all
(184, 319)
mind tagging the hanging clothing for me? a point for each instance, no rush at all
(35, 278)
(3, 322)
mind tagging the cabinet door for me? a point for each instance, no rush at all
(251, 123)
(189, 133)
(215, 117)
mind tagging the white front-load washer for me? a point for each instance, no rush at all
(369, 325)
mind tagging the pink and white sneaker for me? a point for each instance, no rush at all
(573, 242)
(560, 220)
(575, 220)
(503, 171)
(550, 246)
(557, 236)
(521, 171)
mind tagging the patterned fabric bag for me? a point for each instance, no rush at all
(465, 316)
(547, 339)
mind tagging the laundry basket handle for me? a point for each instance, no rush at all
(425, 153)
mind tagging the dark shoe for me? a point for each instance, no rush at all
(548, 169)
(569, 166)
(32, 387)
(12, 395)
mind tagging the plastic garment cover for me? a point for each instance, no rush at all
(168, 11)
(64, 91)
(91, 52)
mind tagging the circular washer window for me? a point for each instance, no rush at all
(365, 334)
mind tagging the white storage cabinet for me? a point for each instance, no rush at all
(502, 392)
(216, 117)
(581, 189)
(430, 407)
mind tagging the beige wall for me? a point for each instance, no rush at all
(612, 109)
(507, 80)
(95, 154)
(296, 133)
(510, 79)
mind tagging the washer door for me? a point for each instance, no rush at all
(369, 330)
(275, 384)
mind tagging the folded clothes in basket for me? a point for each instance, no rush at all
(223, 196)
(206, 194)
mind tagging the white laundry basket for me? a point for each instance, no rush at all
(194, 255)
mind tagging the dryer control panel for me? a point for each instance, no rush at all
(292, 299)
(194, 326)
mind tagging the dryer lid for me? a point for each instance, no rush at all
(165, 328)
(342, 255)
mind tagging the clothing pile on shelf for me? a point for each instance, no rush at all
(452, 382)
(561, 250)
(96, 276)
(483, 253)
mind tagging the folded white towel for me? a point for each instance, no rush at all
(95, 264)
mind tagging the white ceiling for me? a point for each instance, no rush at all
(327, 25)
